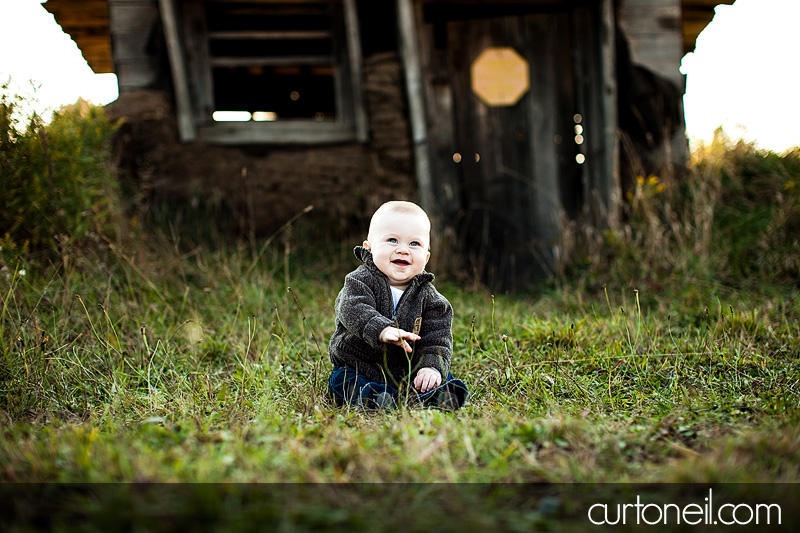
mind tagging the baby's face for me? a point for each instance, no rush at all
(399, 246)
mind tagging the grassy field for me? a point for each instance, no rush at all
(163, 367)
(664, 352)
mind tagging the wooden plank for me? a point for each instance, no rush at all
(356, 92)
(667, 16)
(596, 73)
(132, 26)
(543, 125)
(288, 133)
(341, 77)
(636, 4)
(499, 187)
(72, 14)
(201, 83)
(570, 173)
(270, 61)
(280, 10)
(439, 101)
(169, 20)
(416, 105)
(588, 89)
(655, 34)
(609, 188)
(270, 35)
(278, 3)
(87, 24)
(664, 60)
(136, 74)
(522, 3)
(131, 45)
(129, 16)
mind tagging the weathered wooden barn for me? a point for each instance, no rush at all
(504, 119)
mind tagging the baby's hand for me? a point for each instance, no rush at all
(427, 378)
(392, 335)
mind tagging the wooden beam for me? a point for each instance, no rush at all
(609, 190)
(543, 106)
(169, 21)
(270, 61)
(356, 76)
(409, 53)
(654, 32)
(270, 35)
(280, 3)
(289, 133)
(201, 83)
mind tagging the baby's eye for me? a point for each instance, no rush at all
(392, 240)
(415, 243)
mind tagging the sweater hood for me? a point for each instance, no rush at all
(365, 256)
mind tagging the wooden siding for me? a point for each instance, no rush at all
(135, 28)
(655, 35)
(507, 177)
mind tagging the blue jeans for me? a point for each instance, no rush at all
(347, 387)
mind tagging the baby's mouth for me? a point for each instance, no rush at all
(401, 262)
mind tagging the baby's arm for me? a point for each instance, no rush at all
(356, 309)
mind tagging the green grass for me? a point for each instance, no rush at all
(192, 367)
(666, 351)
(170, 367)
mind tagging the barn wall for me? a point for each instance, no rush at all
(255, 187)
(507, 177)
(503, 209)
(655, 35)
(140, 59)
(258, 189)
(651, 88)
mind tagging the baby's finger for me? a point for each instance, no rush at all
(408, 335)
(424, 383)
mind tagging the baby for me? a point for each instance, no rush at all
(393, 328)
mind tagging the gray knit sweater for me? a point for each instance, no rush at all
(364, 309)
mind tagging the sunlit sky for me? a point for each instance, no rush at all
(743, 75)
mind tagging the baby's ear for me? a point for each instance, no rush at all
(366, 246)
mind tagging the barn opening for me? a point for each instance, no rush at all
(268, 71)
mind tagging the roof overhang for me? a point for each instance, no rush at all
(86, 21)
(696, 15)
